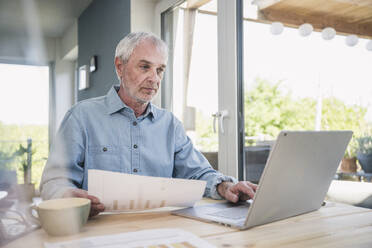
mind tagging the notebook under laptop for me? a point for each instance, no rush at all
(296, 178)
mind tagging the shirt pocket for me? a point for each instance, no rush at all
(104, 157)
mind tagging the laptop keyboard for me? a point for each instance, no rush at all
(232, 213)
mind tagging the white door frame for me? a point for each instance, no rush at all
(227, 91)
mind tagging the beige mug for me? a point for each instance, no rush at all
(64, 216)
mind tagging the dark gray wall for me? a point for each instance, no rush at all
(100, 27)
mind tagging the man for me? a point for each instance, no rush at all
(124, 132)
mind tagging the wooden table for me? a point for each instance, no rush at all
(334, 225)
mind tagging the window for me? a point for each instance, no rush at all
(302, 83)
(24, 106)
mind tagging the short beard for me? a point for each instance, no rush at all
(138, 100)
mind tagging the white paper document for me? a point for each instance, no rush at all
(152, 238)
(126, 192)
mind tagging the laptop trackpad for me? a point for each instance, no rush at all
(227, 212)
(230, 210)
(235, 213)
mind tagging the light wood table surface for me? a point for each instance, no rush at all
(334, 225)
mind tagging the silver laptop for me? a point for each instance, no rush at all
(296, 178)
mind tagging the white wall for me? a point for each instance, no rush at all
(65, 68)
(63, 91)
(142, 15)
(69, 43)
(64, 88)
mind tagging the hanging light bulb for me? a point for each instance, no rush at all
(328, 33)
(369, 45)
(305, 29)
(276, 28)
(351, 40)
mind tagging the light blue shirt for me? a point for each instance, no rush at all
(104, 133)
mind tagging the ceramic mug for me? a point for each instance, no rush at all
(64, 216)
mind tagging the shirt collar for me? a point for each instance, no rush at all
(151, 110)
(115, 104)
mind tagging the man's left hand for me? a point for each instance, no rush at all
(241, 191)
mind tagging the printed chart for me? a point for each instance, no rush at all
(126, 192)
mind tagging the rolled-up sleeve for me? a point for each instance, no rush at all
(65, 165)
(191, 164)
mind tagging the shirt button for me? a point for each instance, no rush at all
(134, 170)
(104, 149)
(134, 123)
(135, 146)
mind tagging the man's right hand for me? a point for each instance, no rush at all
(95, 206)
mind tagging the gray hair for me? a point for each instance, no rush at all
(125, 47)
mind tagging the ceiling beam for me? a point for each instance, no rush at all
(319, 22)
(194, 4)
(362, 3)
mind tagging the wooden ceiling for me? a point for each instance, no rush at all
(345, 16)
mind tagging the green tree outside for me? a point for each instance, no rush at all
(268, 109)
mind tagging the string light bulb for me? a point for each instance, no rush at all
(369, 45)
(351, 40)
(305, 29)
(328, 33)
(276, 28)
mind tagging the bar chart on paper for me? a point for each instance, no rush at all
(134, 204)
(126, 192)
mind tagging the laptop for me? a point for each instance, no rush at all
(296, 178)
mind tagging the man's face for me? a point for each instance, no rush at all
(140, 77)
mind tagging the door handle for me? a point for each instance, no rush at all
(220, 115)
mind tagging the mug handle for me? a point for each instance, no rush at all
(34, 218)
